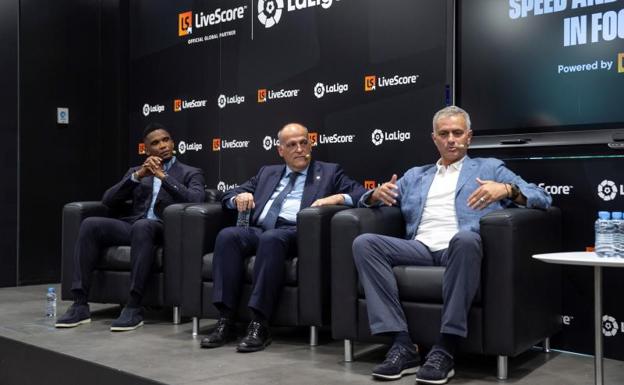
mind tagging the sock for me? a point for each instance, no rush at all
(403, 339)
(448, 342)
(80, 297)
(259, 317)
(135, 299)
(225, 312)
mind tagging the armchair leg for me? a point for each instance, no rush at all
(313, 335)
(177, 316)
(348, 351)
(501, 370)
(546, 345)
(195, 326)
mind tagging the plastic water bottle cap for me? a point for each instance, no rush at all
(604, 215)
(616, 215)
(50, 290)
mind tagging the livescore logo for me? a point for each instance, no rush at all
(262, 95)
(185, 23)
(370, 184)
(216, 144)
(369, 83)
(313, 138)
(177, 105)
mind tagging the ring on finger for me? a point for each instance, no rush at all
(482, 200)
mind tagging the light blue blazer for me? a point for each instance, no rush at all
(413, 188)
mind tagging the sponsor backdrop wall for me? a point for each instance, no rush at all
(365, 77)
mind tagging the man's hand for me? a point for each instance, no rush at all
(336, 199)
(148, 167)
(487, 193)
(154, 165)
(385, 193)
(244, 201)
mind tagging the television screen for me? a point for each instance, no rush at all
(527, 66)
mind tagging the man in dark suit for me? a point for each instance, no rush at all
(160, 181)
(275, 195)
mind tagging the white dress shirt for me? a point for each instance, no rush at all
(439, 220)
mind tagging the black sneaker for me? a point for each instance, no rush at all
(437, 369)
(222, 334)
(129, 319)
(258, 337)
(77, 314)
(399, 362)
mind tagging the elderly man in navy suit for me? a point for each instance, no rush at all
(159, 182)
(442, 204)
(275, 196)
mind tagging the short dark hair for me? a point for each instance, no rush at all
(151, 127)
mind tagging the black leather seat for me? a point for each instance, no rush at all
(305, 298)
(111, 278)
(518, 303)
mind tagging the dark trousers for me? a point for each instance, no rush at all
(375, 256)
(97, 233)
(234, 245)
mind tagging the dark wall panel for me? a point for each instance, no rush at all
(62, 65)
(8, 131)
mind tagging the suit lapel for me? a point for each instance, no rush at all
(425, 184)
(468, 172)
(272, 181)
(312, 184)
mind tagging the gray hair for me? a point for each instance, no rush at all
(451, 111)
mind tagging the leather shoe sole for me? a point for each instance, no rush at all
(71, 324)
(206, 343)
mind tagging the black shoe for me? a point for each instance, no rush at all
(77, 314)
(437, 369)
(399, 362)
(129, 319)
(258, 337)
(222, 334)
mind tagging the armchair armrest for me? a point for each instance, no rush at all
(73, 215)
(521, 296)
(345, 227)
(314, 253)
(200, 225)
(172, 253)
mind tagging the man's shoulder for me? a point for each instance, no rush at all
(186, 167)
(417, 170)
(486, 162)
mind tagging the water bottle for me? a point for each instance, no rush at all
(50, 308)
(618, 238)
(605, 231)
(243, 218)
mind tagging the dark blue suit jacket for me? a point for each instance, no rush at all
(323, 179)
(182, 184)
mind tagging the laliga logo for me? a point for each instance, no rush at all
(609, 326)
(607, 190)
(377, 137)
(319, 90)
(269, 142)
(184, 147)
(221, 101)
(223, 187)
(270, 12)
(147, 109)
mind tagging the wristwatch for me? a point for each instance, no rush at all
(515, 192)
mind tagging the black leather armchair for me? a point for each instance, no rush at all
(517, 305)
(305, 298)
(111, 278)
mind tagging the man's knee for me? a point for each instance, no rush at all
(90, 225)
(228, 235)
(275, 238)
(363, 246)
(469, 243)
(145, 229)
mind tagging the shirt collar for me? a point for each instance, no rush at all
(302, 172)
(167, 165)
(455, 166)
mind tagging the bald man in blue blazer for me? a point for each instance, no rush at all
(442, 204)
(275, 196)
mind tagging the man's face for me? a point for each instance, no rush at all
(295, 147)
(159, 143)
(452, 138)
